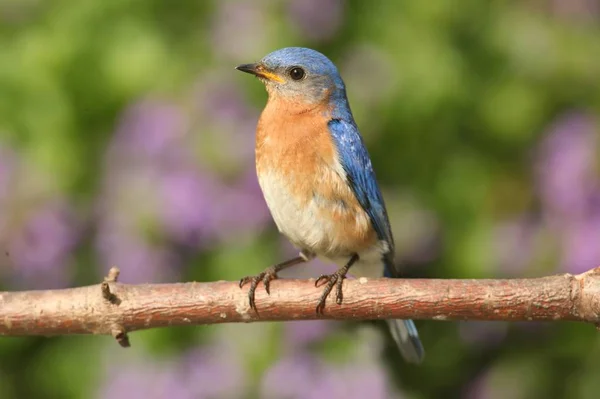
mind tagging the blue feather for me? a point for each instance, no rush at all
(361, 177)
(355, 160)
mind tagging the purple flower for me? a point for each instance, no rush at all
(40, 249)
(221, 100)
(299, 334)
(241, 208)
(155, 194)
(581, 250)
(212, 372)
(290, 378)
(188, 202)
(152, 131)
(565, 168)
(570, 188)
(303, 376)
(352, 381)
(129, 231)
(139, 261)
(37, 236)
(197, 208)
(215, 371)
(513, 243)
(145, 379)
(317, 19)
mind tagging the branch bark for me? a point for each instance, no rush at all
(114, 308)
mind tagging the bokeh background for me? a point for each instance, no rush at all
(126, 138)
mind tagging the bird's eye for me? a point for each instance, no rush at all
(297, 73)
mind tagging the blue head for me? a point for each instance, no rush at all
(298, 74)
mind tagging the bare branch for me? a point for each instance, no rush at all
(114, 308)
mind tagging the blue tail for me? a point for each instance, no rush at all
(404, 332)
(406, 336)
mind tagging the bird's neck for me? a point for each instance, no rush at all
(288, 118)
(285, 107)
(334, 105)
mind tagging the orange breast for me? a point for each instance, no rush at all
(299, 149)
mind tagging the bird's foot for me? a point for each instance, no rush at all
(336, 279)
(266, 277)
(330, 280)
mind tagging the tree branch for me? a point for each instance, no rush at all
(114, 308)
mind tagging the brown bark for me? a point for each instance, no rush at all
(114, 308)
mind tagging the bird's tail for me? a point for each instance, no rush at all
(406, 336)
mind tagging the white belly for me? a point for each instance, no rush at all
(293, 219)
(298, 221)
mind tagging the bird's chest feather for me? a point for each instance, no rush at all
(305, 186)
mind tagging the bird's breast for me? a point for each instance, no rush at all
(305, 186)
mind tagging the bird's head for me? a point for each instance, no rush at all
(297, 74)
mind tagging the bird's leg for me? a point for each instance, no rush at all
(269, 274)
(336, 279)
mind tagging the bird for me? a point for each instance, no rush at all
(318, 181)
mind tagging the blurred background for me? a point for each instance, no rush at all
(127, 138)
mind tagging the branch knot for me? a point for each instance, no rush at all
(113, 275)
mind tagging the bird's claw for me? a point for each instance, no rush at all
(335, 279)
(266, 277)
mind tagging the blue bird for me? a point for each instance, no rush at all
(318, 181)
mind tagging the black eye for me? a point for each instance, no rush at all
(297, 73)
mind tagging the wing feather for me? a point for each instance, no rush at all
(360, 175)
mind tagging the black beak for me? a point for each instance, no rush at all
(260, 71)
(248, 68)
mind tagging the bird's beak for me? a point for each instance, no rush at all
(260, 71)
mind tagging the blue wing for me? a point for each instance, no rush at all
(361, 177)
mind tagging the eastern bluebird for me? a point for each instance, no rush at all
(317, 179)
